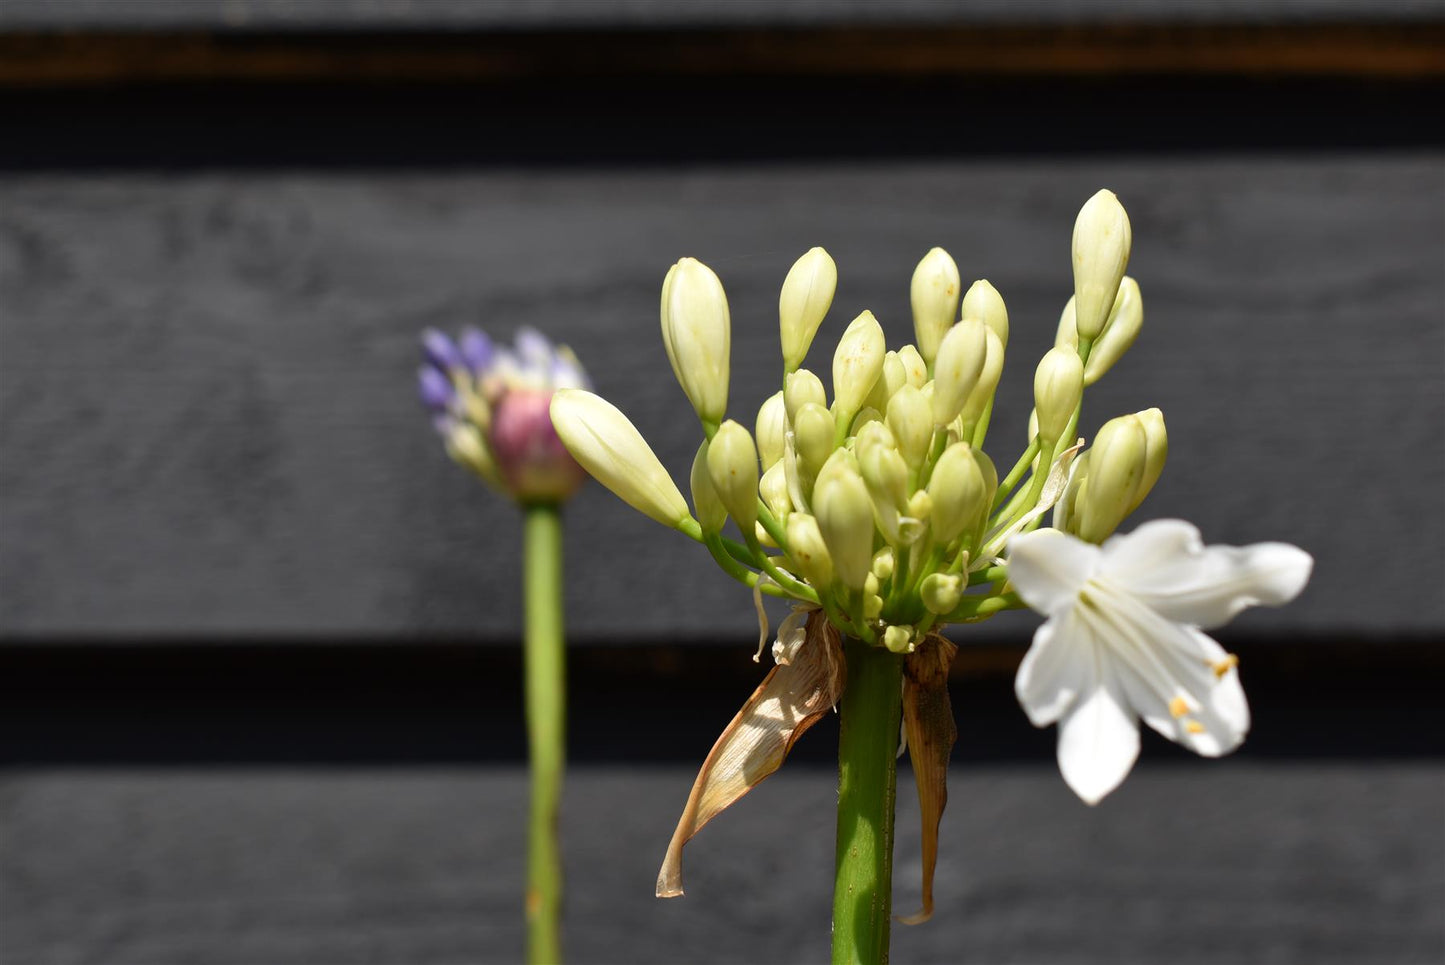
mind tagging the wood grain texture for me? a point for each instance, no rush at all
(207, 423)
(1220, 863)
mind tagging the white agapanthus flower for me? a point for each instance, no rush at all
(1124, 640)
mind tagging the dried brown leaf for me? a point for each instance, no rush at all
(791, 698)
(928, 723)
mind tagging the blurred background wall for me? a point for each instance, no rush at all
(257, 635)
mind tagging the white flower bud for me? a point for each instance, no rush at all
(732, 464)
(697, 334)
(910, 416)
(857, 364)
(883, 563)
(899, 639)
(609, 447)
(1067, 335)
(941, 592)
(894, 377)
(987, 383)
(808, 551)
(1058, 387)
(920, 505)
(1101, 251)
(813, 436)
(806, 296)
(800, 388)
(886, 476)
(1156, 452)
(711, 513)
(1125, 320)
(464, 443)
(773, 488)
(770, 429)
(934, 296)
(983, 302)
(845, 518)
(1115, 473)
(959, 493)
(961, 358)
(913, 366)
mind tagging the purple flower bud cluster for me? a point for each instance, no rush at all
(490, 404)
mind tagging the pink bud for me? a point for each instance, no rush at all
(530, 457)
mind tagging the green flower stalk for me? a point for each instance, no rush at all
(492, 409)
(881, 518)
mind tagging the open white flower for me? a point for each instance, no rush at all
(1123, 641)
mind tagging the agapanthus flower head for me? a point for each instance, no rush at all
(490, 404)
(881, 515)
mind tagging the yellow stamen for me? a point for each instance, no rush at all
(1224, 666)
(1194, 727)
(1178, 707)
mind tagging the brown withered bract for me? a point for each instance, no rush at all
(928, 723)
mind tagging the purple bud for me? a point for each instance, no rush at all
(567, 371)
(535, 351)
(441, 351)
(437, 391)
(477, 350)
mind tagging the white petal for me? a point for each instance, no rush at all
(1166, 565)
(1099, 739)
(1048, 568)
(1054, 670)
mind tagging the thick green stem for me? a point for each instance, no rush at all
(870, 714)
(546, 729)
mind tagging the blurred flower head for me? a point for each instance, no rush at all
(490, 405)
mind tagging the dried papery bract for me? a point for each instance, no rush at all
(806, 683)
(930, 733)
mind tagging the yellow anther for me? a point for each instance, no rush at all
(1224, 666)
(1194, 727)
(1178, 707)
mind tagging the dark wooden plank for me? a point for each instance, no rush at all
(1209, 862)
(207, 423)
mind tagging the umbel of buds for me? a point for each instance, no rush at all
(491, 406)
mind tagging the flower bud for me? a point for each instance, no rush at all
(732, 464)
(934, 296)
(872, 602)
(711, 513)
(1101, 251)
(1058, 387)
(865, 415)
(960, 361)
(914, 367)
(1115, 473)
(894, 377)
(464, 444)
(1067, 335)
(883, 563)
(1066, 510)
(959, 493)
(771, 427)
(773, 488)
(857, 364)
(800, 388)
(807, 293)
(910, 416)
(845, 518)
(941, 592)
(1125, 320)
(813, 436)
(886, 476)
(808, 551)
(872, 434)
(987, 383)
(531, 459)
(920, 505)
(984, 303)
(898, 639)
(609, 447)
(1156, 452)
(697, 334)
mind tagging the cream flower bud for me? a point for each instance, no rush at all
(961, 357)
(886, 476)
(732, 464)
(872, 434)
(913, 366)
(910, 416)
(983, 302)
(466, 447)
(872, 603)
(770, 430)
(1115, 473)
(987, 383)
(959, 493)
(698, 334)
(711, 513)
(1058, 387)
(845, 518)
(1067, 335)
(773, 488)
(806, 296)
(813, 436)
(808, 551)
(920, 505)
(941, 592)
(800, 388)
(1101, 251)
(1156, 452)
(883, 563)
(1125, 320)
(934, 296)
(1066, 510)
(609, 447)
(857, 364)
(899, 639)
(894, 377)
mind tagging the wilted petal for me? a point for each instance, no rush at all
(928, 723)
(1099, 737)
(790, 699)
(1166, 565)
(1048, 568)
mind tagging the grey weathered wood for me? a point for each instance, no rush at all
(1198, 863)
(207, 422)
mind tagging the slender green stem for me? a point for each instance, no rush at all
(1016, 473)
(871, 711)
(546, 686)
